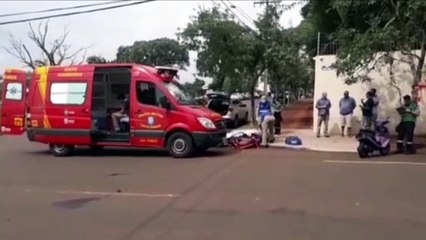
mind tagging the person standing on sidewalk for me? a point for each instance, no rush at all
(323, 105)
(277, 107)
(409, 113)
(376, 105)
(347, 105)
(367, 111)
(266, 120)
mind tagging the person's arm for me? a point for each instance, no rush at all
(371, 104)
(317, 105)
(257, 114)
(328, 104)
(376, 101)
(353, 104)
(415, 111)
(124, 107)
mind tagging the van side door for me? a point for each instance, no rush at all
(68, 107)
(13, 102)
(148, 117)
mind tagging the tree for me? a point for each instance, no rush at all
(96, 59)
(393, 26)
(54, 52)
(228, 52)
(195, 88)
(221, 44)
(161, 51)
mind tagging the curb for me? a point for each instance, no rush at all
(303, 148)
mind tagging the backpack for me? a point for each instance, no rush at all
(293, 141)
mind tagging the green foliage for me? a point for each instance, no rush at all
(195, 88)
(367, 33)
(157, 52)
(96, 59)
(382, 26)
(236, 56)
(221, 43)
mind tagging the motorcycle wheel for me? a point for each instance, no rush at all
(361, 151)
(385, 151)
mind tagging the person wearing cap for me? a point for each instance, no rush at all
(347, 106)
(266, 120)
(409, 112)
(323, 106)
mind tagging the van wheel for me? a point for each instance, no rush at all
(61, 150)
(180, 145)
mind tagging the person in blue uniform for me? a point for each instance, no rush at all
(266, 120)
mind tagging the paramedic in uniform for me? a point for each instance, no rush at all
(409, 113)
(265, 116)
(124, 111)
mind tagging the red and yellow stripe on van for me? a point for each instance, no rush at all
(42, 90)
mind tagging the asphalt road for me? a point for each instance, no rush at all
(250, 195)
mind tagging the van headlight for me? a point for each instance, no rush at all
(207, 123)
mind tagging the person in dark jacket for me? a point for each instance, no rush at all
(367, 111)
(277, 107)
(409, 113)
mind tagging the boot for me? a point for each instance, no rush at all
(399, 148)
(343, 131)
(409, 149)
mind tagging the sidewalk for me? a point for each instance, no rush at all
(311, 142)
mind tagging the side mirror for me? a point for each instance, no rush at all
(243, 105)
(165, 103)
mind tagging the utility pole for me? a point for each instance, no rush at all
(265, 80)
(318, 43)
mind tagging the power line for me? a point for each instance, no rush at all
(76, 13)
(60, 9)
(233, 13)
(243, 13)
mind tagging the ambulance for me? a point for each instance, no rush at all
(69, 106)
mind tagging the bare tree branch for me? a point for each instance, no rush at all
(29, 56)
(83, 59)
(20, 51)
(54, 52)
(39, 38)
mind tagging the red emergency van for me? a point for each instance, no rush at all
(74, 106)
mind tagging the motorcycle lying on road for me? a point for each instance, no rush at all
(377, 140)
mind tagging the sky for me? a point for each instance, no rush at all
(103, 32)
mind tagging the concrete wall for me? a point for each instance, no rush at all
(326, 80)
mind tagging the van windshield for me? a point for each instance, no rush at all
(180, 93)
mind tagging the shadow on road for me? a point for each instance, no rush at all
(133, 152)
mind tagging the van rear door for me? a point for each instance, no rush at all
(13, 102)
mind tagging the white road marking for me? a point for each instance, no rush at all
(375, 162)
(122, 194)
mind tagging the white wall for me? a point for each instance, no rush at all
(326, 80)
